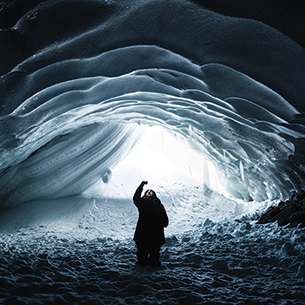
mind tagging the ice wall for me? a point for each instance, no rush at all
(70, 109)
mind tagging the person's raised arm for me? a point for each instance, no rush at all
(137, 194)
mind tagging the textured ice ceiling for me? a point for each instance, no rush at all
(79, 77)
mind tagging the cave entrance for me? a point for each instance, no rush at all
(164, 159)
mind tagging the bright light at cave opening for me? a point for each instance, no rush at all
(162, 159)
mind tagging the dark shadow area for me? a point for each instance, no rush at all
(287, 16)
(45, 24)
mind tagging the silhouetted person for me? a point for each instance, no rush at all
(149, 234)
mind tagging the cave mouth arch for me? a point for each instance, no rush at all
(68, 134)
(66, 154)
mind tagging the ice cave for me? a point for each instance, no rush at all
(204, 100)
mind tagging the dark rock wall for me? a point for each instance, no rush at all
(290, 212)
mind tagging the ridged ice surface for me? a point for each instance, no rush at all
(246, 121)
(223, 113)
(79, 99)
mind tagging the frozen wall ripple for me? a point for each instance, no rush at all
(70, 111)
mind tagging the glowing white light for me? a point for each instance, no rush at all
(163, 159)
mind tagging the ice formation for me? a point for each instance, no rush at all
(98, 95)
(70, 111)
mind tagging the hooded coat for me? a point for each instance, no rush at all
(152, 219)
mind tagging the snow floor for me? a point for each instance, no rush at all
(229, 261)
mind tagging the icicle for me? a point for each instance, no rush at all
(190, 132)
(241, 170)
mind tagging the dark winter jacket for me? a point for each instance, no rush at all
(152, 219)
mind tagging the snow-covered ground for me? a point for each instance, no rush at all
(85, 254)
